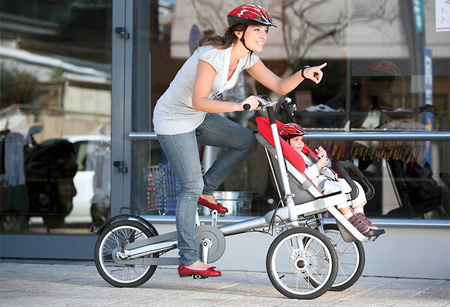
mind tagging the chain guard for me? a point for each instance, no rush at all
(217, 239)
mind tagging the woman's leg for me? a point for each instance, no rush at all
(219, 131)
(182, 153)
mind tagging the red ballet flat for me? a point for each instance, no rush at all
(210, 272)
(218, 207)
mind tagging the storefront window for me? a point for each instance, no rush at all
(388, 71)
(55, 115)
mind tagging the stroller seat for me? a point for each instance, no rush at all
(308, 198)
(301, 186)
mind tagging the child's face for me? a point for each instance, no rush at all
(297, 143)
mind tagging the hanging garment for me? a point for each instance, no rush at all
(14, 160)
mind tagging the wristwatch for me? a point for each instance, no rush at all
(303, 70)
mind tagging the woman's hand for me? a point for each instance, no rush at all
(314, 73)
(253, 102)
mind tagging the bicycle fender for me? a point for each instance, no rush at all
(128, 217)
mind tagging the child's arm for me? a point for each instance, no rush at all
(312, 170)
(323, 158)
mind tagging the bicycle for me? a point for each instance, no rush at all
(302, 262)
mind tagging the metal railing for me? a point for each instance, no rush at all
(342, 136)
(337, 136)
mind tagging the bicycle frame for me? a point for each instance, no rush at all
(281, 218)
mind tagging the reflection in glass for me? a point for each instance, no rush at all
(374, 81)
(55, 115)
(405, 187)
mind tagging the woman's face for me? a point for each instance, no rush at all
(297, 143)
(255, 37)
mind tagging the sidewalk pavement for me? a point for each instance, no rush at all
(38, 283)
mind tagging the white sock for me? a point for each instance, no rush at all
(348, 215)
(358, 210)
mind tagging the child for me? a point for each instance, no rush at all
(325, 179)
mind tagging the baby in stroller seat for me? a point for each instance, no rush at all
(326, 179)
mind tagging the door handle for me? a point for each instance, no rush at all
(120, 166)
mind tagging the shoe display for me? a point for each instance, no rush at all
(210, 272)
(218, 207)
(359, 223)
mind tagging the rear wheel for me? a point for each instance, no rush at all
(299, 256)
(112, 238)
(351, 258)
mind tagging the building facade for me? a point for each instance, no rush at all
(89, 72)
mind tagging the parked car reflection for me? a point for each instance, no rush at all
(91, 203)
(92, 181)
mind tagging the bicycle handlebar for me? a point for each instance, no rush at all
(267, 103)
(341, 168)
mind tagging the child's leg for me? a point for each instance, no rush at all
(346, 212)
(358, 206)
(333, 186)
(357, 217)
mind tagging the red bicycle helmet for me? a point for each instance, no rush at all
(249, 14)
(291, 130)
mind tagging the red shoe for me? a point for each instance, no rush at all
(218, 207)
(210, 272)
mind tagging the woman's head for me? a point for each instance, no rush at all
(245, 18)
(293, 134)
(249, 14)
(253, 18)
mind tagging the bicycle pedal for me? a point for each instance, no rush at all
(222, 214)
(198, 276)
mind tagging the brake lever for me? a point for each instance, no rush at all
(268, 103)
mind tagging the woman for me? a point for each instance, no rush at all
(186, 114)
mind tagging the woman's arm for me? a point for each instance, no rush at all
(282, 86)
(202, 87)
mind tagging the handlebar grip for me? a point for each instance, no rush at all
(247, 107)
(368, 187)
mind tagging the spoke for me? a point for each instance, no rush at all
(346, 248)
(300, 243)
(343, 272)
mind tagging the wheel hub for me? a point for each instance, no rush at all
(303, 263)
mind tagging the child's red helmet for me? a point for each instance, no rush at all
(291, 130)
(249, 14)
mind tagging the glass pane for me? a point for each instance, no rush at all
(55, 115)
(405, 186)
(388, 70)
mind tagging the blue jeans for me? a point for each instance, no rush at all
(182, 153)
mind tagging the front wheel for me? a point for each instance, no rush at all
(302, 263)
(114, 236)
